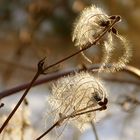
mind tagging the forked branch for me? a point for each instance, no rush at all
(42, 70)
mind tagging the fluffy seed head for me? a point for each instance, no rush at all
(89, 25)
(76, 92)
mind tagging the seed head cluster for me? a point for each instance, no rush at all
(92, 22)
(76, 92)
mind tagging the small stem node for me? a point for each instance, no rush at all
(41, 68)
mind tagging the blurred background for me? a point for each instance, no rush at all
(32, 29)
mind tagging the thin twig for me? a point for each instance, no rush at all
(88, 45)
(133, 70)
(72, 115)
(19, 103)
(94, 130)
(39, 71)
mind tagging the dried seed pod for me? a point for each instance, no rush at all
(77, 92)
(88, 27)
(93, 22)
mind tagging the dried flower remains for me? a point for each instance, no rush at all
(91, 23)
(77, 94)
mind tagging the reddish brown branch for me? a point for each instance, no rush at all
(39, 71)
(72, 115)
(56, 75)
(19, 103)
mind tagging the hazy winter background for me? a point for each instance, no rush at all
(30, 30)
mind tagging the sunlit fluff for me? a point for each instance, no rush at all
(91, 23)
(76, 92)
(88, 26)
